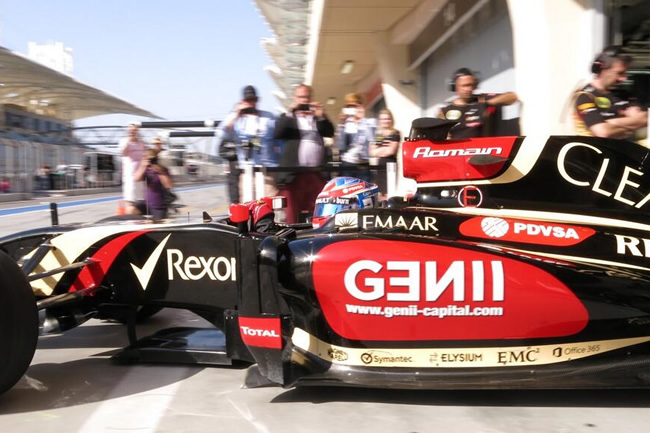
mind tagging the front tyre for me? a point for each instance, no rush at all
(18, 323)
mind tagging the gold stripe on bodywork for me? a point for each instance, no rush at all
(506, 356)
(68, 246)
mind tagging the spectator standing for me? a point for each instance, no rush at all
(251, 131)
(599, 113)
(355, 133)
(302, 130)
(131, 149)
(157, 180)
(384, 148)
(473, 112)
(169, 196)
(157, 144)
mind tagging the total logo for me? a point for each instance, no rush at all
(532, 232)
(258, 332)
(261, 331)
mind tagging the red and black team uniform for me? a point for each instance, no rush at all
(473, 118)
(592, 107)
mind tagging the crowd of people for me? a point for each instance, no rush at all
(301, 138)
(305, 137)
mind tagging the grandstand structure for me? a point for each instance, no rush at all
(38, 106)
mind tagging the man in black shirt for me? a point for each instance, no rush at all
(599, 113)
(472, 111)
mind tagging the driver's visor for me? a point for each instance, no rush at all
(329, 209)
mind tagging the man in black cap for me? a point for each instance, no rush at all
(251, 130)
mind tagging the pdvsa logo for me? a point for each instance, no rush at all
(536, 232)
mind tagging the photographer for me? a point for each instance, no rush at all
(250, 131)
(355, 133)
(157, 180)
(302, 130)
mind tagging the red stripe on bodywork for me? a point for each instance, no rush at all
(93, 274)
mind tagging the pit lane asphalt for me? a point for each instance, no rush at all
(72, 386)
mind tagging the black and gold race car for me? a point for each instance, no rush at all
(520, 262)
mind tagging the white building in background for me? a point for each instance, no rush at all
(54, 55)
(401, 54)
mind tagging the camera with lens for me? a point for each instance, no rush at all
(303, 107)
(248, 110)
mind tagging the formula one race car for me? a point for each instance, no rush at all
(521, 262)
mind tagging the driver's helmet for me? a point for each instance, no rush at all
(343, 193)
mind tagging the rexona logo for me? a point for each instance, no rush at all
(428, 152)
(397, 290)
(261, 331)
(198, 267)
(186, 268)
(525, 231)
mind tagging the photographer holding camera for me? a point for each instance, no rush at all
(157, 180)
(246, 135)
(302, 130)
(355, 133)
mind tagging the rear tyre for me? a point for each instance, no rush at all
(18, 323)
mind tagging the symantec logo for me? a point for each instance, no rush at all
(261, 331)
(525, 231)
(391, 291)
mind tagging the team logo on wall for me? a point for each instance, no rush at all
(525, 231)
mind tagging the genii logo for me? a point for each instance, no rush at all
(261, 331)
(525, 231)
(391, 291)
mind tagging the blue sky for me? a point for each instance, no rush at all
(182, 60)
